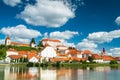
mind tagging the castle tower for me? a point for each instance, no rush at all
(32, 43)
(7, 40)
(103, 52)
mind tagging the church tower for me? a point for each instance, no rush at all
(103, 52)
(32, 43)
(7, 40)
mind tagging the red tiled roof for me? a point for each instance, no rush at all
(117, 58)
(15, 56)
(30, 55)
(105, 57)
(96, 56)
(87, 52)
(53, 40)
(19, 44)
(8, 38)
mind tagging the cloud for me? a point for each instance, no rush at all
(63, 35)
(101, 37)
(117, 20)
(2, 41)
(12, 3)
(20, 33)
(50, 13)
(115, 51)
(87, 44)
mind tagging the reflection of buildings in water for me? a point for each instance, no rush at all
(102, 69)
(64, 74)
(9, 74)
(21, 73)
(48, 74)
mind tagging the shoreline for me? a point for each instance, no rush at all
(62, 65)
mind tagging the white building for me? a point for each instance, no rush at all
(47, 53)
(52, 42)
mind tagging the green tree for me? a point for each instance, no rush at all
(90, 58)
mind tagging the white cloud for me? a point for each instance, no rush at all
(88, 45)
(101, 37)
(63, 35)
(50, 13)
(85, 44)
(2, 41)
(117, 20)
(115, 51)
(65, 43)
(12, 2)
(20, 33)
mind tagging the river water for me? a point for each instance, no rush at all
(34, 73)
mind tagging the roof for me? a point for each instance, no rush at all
(73, 51)
(106, 57)
(30, 55)
(52, 40)
(19, 44)
(117, 58)
(87, 52)
(8, 38)
(23, 52)
(15, 56)
(96, 56)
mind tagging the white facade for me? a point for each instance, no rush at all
(8, 53)
(98, 60)
(47, 53)
(53, 43)
(79, 55)
(8, 42)
(33, 59)
(32, 45)
(7, 59)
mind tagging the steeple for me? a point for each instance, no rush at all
(103, 52)
(32, 43)
(7, 40)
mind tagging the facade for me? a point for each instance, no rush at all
(52, 42)
(47, 53)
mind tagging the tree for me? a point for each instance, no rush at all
(33, 41)
(113, 62)
(40, 44)
(90, 58)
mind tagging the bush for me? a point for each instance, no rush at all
(30, 64)
(113, 62)
(37, 64)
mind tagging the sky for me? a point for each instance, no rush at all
(84, 24)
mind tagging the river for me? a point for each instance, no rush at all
(35, 73)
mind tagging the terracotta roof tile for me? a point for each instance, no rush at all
(52, 40)
(87, 52)
(15, 56)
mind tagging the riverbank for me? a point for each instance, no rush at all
(74, 65)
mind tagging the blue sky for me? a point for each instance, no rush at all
(85, 24)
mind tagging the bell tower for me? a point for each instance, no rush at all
(7, 40)
(103, 52)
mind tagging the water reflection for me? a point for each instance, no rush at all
(34, 73)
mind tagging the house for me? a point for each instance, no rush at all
(47, 53)
(107, 58)
(52, 42)
(11, 52)
(33, 57)
(97, 58)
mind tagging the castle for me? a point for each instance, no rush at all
(9, 42)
